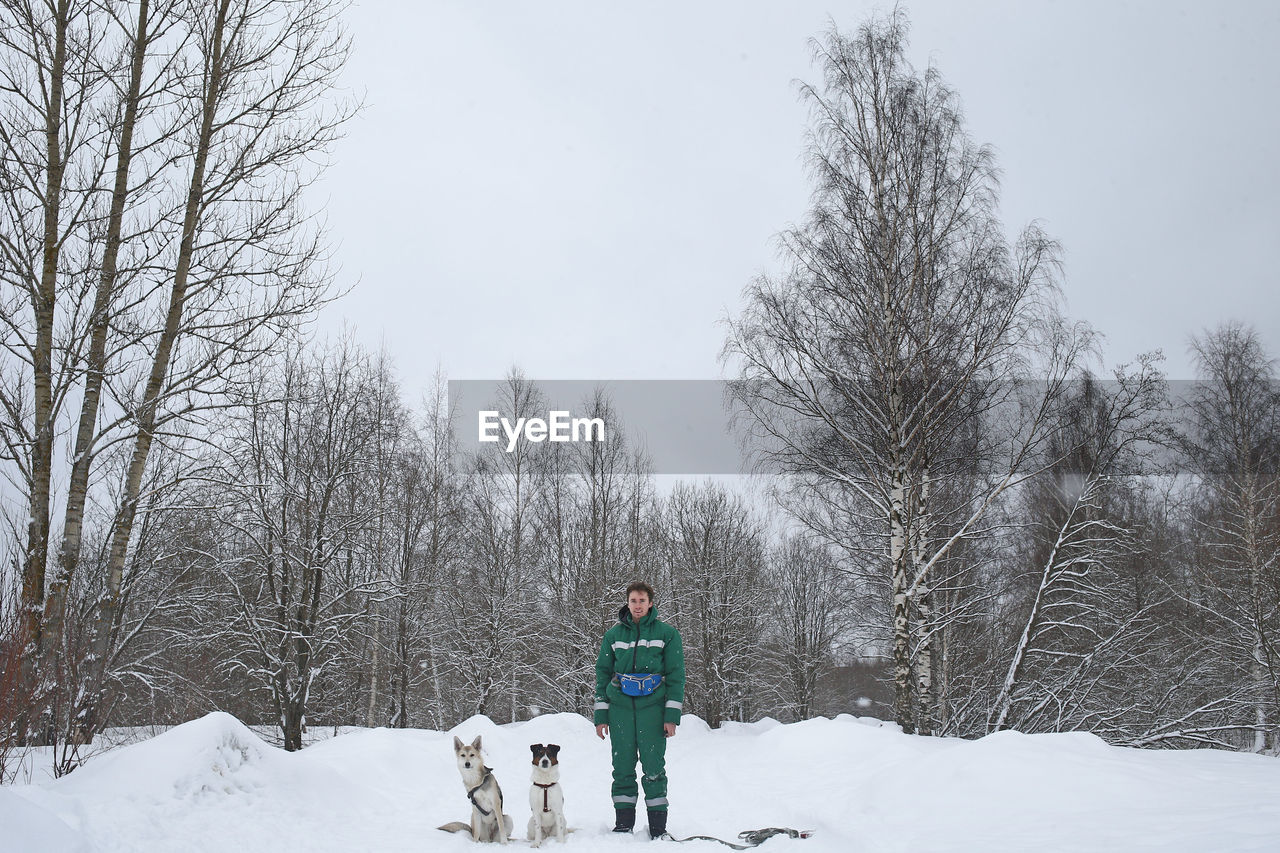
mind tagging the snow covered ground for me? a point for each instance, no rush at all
(213, 785)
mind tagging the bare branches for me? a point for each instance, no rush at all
(1233, 447)
(154, 241)
(887, 362)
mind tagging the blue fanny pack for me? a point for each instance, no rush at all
(638, 683)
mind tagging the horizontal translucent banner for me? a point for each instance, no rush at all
(725, 427)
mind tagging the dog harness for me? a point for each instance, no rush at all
(471, 794)
(545, 790)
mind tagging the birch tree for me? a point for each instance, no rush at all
(1081, 641)
(904, 316)
(1234, 448)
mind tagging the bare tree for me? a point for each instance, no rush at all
(388, 439)
(903, 319)
(714, 573)
(50, 138)
(245, 255)
(1079, 635)
(593, 497)
(139, 94)
(487, 599)
(414, 542)
(807, 621)
(441, 546)
(153, 160)
(1234, 449)
(299, 445)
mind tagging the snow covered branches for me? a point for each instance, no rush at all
(886, 362)
(156, 240)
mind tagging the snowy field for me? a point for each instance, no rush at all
(214, 785)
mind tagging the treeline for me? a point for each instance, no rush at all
(335, 560)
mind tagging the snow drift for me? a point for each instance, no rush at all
(213, 785)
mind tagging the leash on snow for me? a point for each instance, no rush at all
(752, 837)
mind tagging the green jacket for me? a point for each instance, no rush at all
(650, 646)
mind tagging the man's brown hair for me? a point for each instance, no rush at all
(640, 586)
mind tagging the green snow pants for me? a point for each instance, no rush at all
(635, 731)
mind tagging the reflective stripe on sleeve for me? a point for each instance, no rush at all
(676, 705)
(604, 706)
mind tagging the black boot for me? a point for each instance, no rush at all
(657, 824)
(624, 819)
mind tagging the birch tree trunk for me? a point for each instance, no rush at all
(1264, 690)
(108, 607)
(95, 365)
(926, 627)
(903, 710)
(1013, 676)
(43, 304)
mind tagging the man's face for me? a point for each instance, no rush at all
(638, 603)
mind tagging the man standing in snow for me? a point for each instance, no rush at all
(639, 697)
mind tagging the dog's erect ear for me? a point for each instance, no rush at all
(475, 744)
(457, 744)
(534, 747)
(553, 749)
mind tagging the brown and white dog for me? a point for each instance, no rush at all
(546, 800)
(488, 823)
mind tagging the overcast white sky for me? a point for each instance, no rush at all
(584, 188)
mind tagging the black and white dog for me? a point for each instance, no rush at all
(546, 800)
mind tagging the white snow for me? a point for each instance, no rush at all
(214, 785)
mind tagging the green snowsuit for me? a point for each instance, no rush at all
(635, 722)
